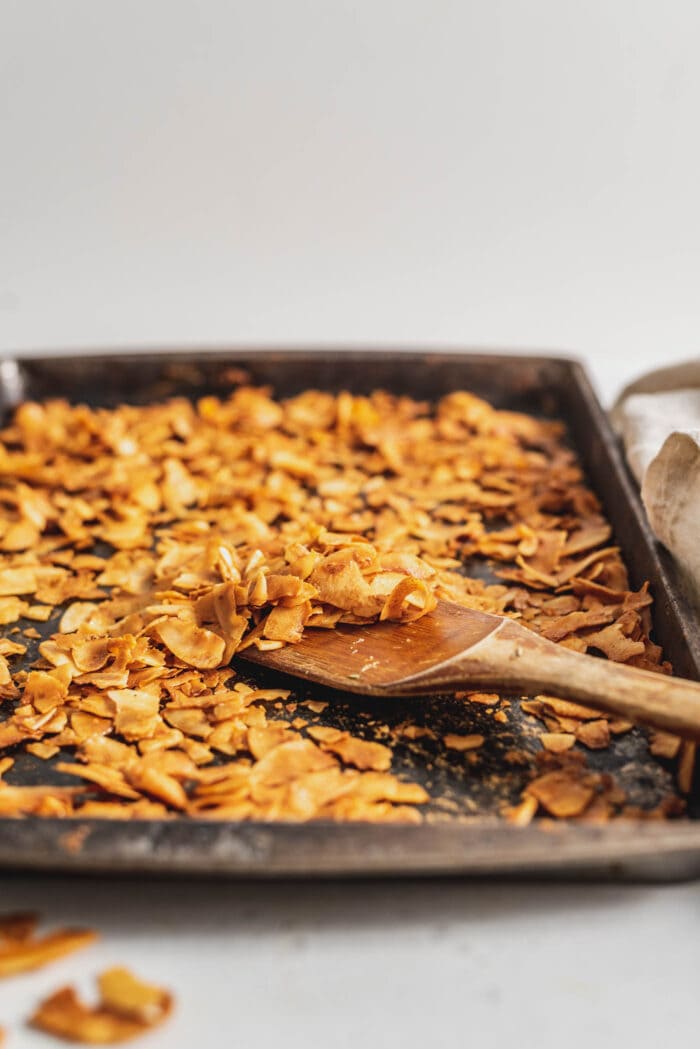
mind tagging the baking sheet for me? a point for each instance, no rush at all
(462, 833)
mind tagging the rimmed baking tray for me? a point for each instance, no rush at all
(474, 841)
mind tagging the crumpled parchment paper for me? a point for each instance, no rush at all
(658, 417)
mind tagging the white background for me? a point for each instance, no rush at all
(495, 172)
(489, 173)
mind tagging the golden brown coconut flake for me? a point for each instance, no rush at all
(21, 950)
(242, 520)
(128, 1007)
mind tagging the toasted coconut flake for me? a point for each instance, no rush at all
(557, 742)
(409, 600)
(86, 725)
(339, 582)
(664, 744)
(91, 655)
(575, 621)
(103, 775)
(125, 995)
(12, 609)
(46, 690)
(462, 743)
(262, 740)
(192, 721)
(35, 801)
(378, 786)
(289, 761)
(615, 643)
(11, 648)
(17, 581)
(594, 734)
(522, 815)
(75, 615)
(128, 1007)
(309, 794)
(21, 951)
(361, 753)
(485, 699)
(561, 793)
(287, 624)
(565, 708)
(136, 712)
(159, 784)
(317, 706)
(193, 645)
(43, 750)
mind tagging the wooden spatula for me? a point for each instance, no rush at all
(457, 648)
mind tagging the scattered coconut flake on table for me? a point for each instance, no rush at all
(22, 951)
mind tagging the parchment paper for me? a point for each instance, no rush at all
(658, 417)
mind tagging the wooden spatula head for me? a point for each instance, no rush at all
(381, 658)
(455, 648)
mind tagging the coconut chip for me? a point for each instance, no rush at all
(22, 951)
(470, 742)
(127, 1008)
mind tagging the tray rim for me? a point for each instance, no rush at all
(211, 350)
(629, 849)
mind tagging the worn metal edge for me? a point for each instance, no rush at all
(633, 849)
(216, 350)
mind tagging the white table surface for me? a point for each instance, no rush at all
(414, 172)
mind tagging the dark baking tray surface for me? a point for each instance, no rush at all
(463, 834)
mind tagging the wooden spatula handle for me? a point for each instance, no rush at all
(635, 695)
(514, 658)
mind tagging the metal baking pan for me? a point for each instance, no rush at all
(462, 834)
